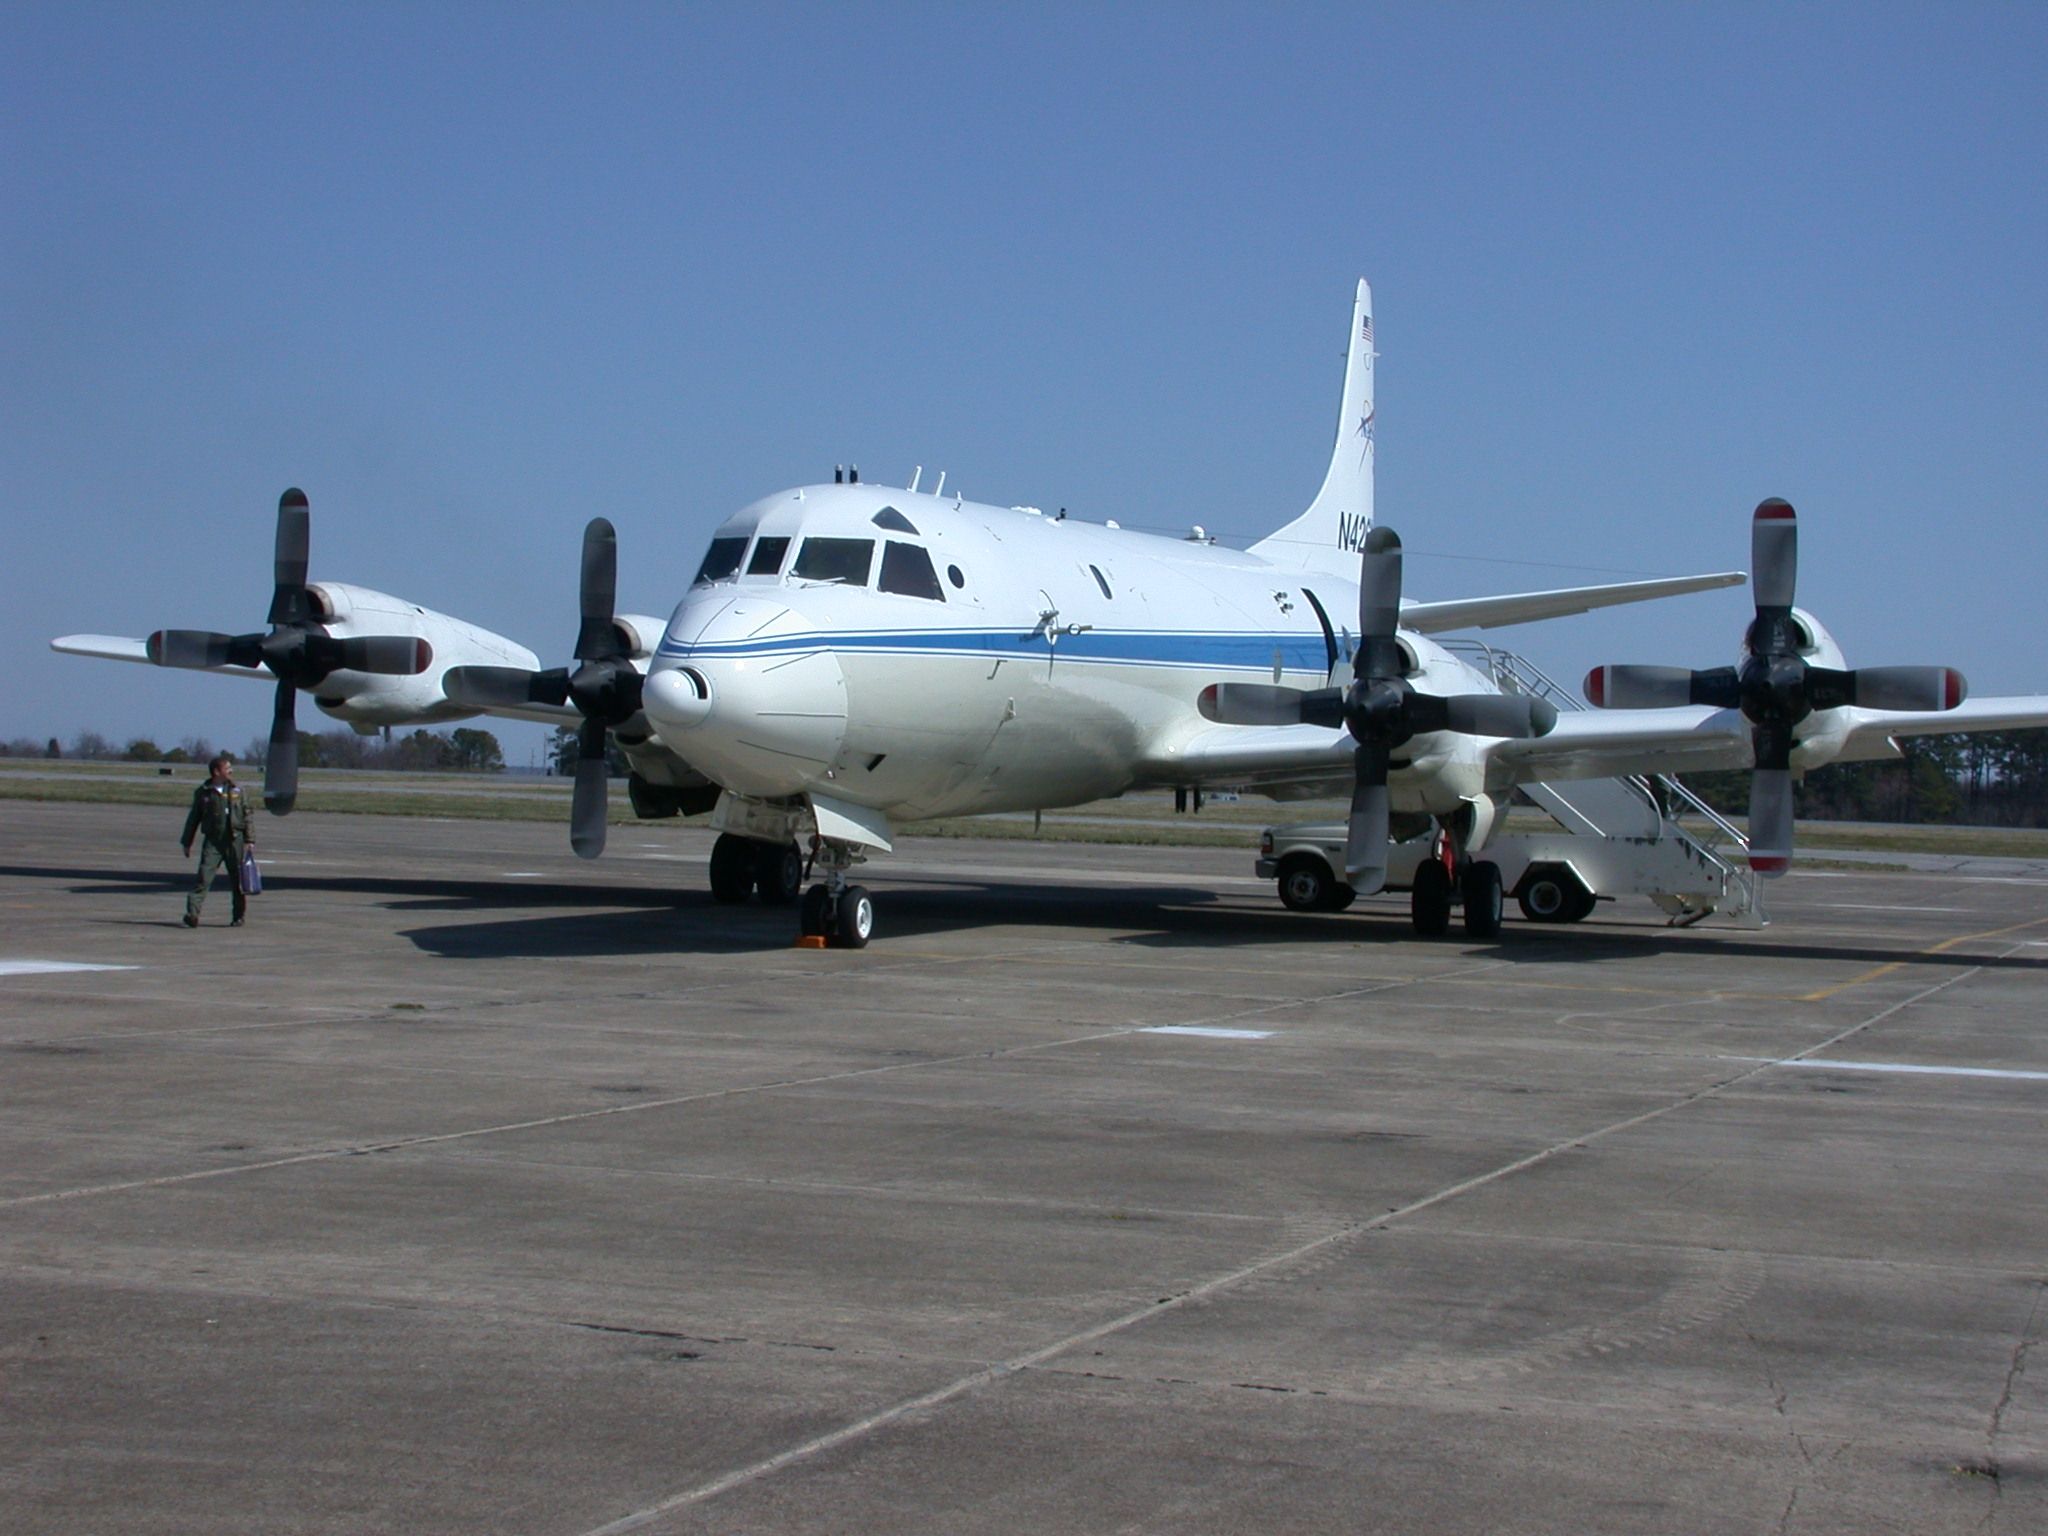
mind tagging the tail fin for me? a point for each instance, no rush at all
(1327, 537)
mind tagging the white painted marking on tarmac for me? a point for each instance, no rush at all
(53, 967)
(1913, 1068)
(1882, 906)
(1208, 1031)
(520, 874)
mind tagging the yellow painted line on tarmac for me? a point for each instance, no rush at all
(1919, 954)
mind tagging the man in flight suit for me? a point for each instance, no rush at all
(221, 818)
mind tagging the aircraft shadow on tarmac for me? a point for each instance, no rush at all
(628, 919)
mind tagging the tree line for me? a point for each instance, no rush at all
(1992, 779)
(458, 751)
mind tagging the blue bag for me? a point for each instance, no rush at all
(251, 876)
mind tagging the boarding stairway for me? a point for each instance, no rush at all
(1688, 873)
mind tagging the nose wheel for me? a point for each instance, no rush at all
(835, 910)
(843, 919)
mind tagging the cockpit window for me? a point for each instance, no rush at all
(894, 521)
(768, 556)
(721, 561)
(907, 569)
(842, 560)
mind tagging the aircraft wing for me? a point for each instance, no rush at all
(1237, 754)
(125, 648)
(1600, 744)
(1527, 607)
(1874, 732)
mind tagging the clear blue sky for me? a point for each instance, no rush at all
(473, 273)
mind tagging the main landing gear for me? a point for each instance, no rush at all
(1477, 886)
(740, 866)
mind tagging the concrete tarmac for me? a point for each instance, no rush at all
(474, 1188)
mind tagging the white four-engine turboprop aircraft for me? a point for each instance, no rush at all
(853, 656)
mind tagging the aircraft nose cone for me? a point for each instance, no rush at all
(751, 697)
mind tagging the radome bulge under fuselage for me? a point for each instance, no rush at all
(903, 651)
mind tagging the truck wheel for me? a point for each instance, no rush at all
(1341, 896)
(1306, 885)
(1429, 899)
(1551, 893)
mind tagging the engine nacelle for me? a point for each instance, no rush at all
(1816, 645)
(640, 632)
(362, 699)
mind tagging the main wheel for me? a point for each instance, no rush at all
(1429, 899)
(1551, 893)
(732, 869)
(1481, 889)
(813, 918)
(855, 919)
(778, 872)
(1305, 884)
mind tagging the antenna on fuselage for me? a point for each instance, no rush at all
(916, 475)
(839, 474)
(942, 484)
(853, 474)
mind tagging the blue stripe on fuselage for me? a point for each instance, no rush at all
(1142, 648)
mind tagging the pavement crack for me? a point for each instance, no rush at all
(2015, 1368)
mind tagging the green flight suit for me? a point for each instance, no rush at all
(220, 815)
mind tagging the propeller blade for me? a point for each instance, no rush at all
(281, 766)
(196, 648)
(291, 603)
(1494, 714)
(1634, 687)
(596, 639)
(1774, 553)
(1914, 688)
(588, 811)
(386, 655)
(1770, 821)
(1251, 704)
(1379, 583)
(1365, 840)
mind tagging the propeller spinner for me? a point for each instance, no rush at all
(1380, 708)
(604, 688)
(297, 650)
(1773, 685)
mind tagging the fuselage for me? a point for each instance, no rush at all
(924, 655)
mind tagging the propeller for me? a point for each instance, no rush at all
(297, 650)
(1773, 685)
(604, 687)
(1380, 708)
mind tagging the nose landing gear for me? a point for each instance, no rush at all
(840, 913)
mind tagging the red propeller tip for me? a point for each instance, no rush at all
(1770, 863)
(1953, 689)
(1595, 687)
(1773, 510)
